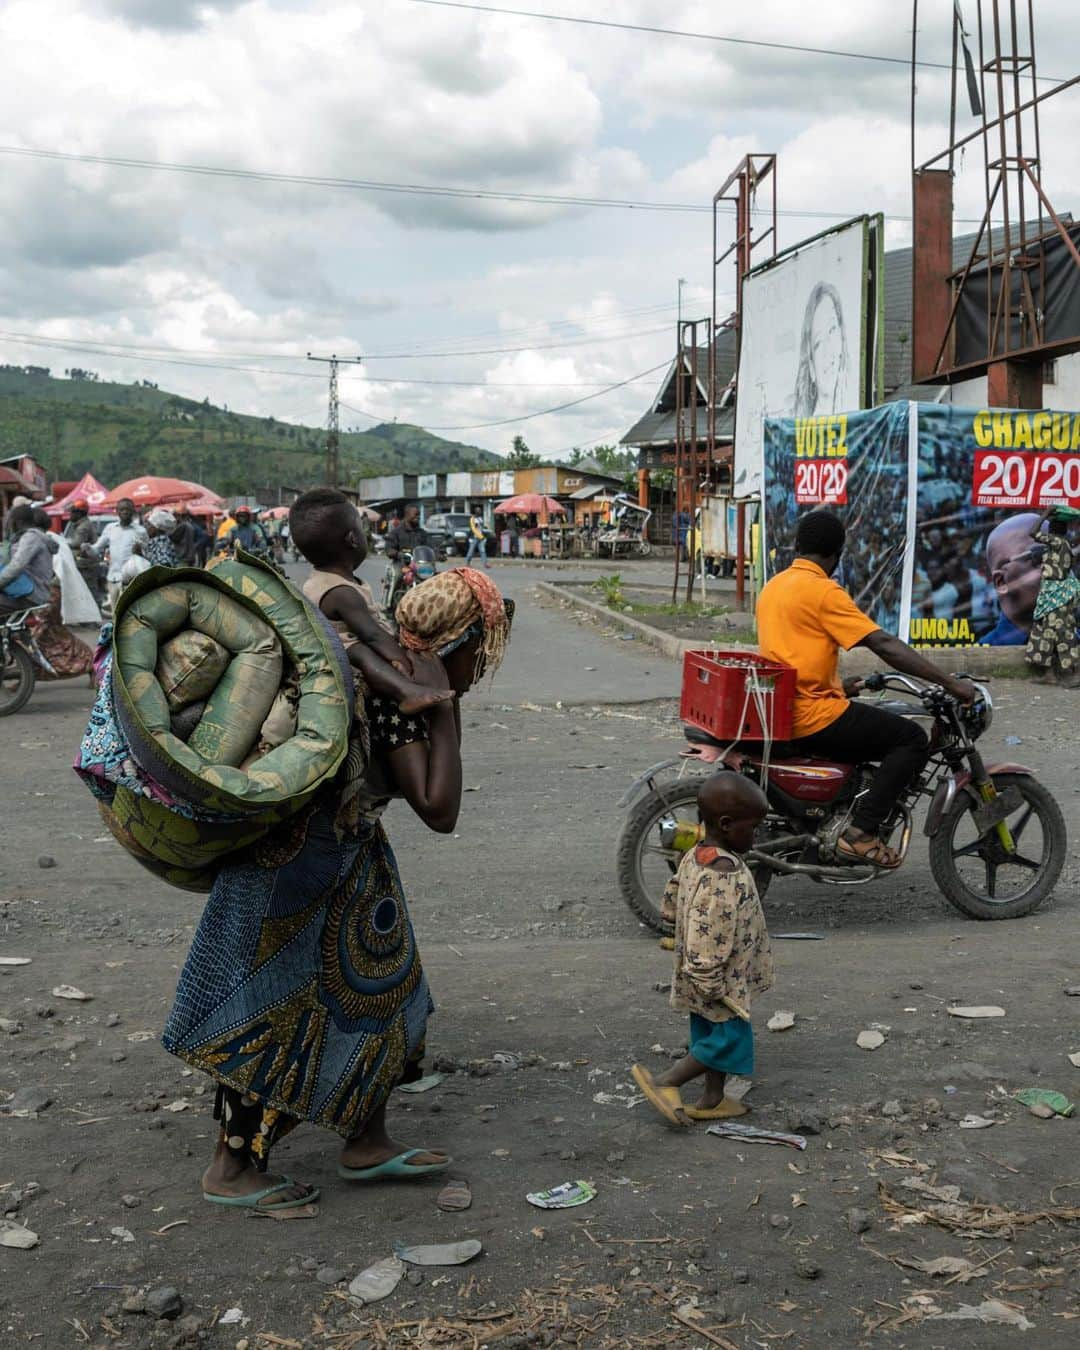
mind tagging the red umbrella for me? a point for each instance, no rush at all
(151, 491)
(530, 504)
(204, 506)
(206, 496)
(87, 489)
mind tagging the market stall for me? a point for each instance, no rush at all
(532, 509)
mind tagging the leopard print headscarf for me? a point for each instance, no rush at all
(437, 615)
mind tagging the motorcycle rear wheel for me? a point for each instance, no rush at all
(17, 681)
(643, 865)
(957, 855)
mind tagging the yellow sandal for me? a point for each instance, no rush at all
(667, 1100)
(727, 1110)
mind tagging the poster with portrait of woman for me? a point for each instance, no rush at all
(809, 341)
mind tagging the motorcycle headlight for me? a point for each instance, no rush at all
(980, 715)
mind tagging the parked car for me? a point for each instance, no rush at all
(449, 533)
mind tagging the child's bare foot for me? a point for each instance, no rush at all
(424, 698)
(713, 1105)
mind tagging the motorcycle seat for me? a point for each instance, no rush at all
(752, 749)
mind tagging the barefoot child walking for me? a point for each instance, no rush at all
(722, 954)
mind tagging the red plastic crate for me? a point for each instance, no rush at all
(717, 695)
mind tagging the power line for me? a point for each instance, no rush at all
(530, 347)
(134, 353)
(539, 412)
(414, 189)
(655, 29)
(357, 184)
(589, 323)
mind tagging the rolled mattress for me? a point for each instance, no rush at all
(225, 703)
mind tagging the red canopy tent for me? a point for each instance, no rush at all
(88, 488)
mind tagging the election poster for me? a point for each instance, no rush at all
(986, 477)
(943, 507)
(810, 337)
(859, 465)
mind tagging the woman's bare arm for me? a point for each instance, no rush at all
(428, 773)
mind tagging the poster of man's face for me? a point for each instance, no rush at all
(977, 571)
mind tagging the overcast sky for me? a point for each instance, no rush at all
(253, 274)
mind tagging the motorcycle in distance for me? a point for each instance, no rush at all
(408, 570)
(19, 655)
(997, 837)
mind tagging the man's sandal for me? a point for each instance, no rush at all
(873, 851)
(667, 1100)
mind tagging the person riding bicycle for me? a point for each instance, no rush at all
(804, 617)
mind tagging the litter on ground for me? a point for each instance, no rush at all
(753, 1134)
(567, 1196)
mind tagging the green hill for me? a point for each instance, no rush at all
(118, 431)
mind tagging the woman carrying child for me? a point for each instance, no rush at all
(722, 953)
(303, 995)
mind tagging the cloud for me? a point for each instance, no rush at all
(65, 220)
(175, 15)
(262, 271)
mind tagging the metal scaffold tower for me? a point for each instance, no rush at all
(1002, 313)
(333, 422)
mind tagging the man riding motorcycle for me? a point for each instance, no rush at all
(404, 538)
(803, 619)
(406, 534)
(248, 534)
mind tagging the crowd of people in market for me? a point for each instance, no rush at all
(66, 570)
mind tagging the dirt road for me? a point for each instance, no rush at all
(547, 991)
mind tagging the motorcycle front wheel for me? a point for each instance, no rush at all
(978, 875)
(645, 864)
(16, 681)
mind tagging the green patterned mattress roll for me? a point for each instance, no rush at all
(189, 666)
(205, 806)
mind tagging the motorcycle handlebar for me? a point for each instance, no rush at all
(928, 693)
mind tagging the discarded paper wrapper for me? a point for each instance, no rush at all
(566, 1196)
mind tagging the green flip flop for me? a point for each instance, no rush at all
(393, 1168)
(252, 1201)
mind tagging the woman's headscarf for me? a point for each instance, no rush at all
(443, 612)
(162, 519)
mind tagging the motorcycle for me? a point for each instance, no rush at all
(19, 654)
(997, 837)
(409, 569)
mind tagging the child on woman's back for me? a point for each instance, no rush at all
(326, 527)
(722, 954)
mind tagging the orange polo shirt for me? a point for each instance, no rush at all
(803, 619)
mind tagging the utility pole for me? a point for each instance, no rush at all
(333, 427)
